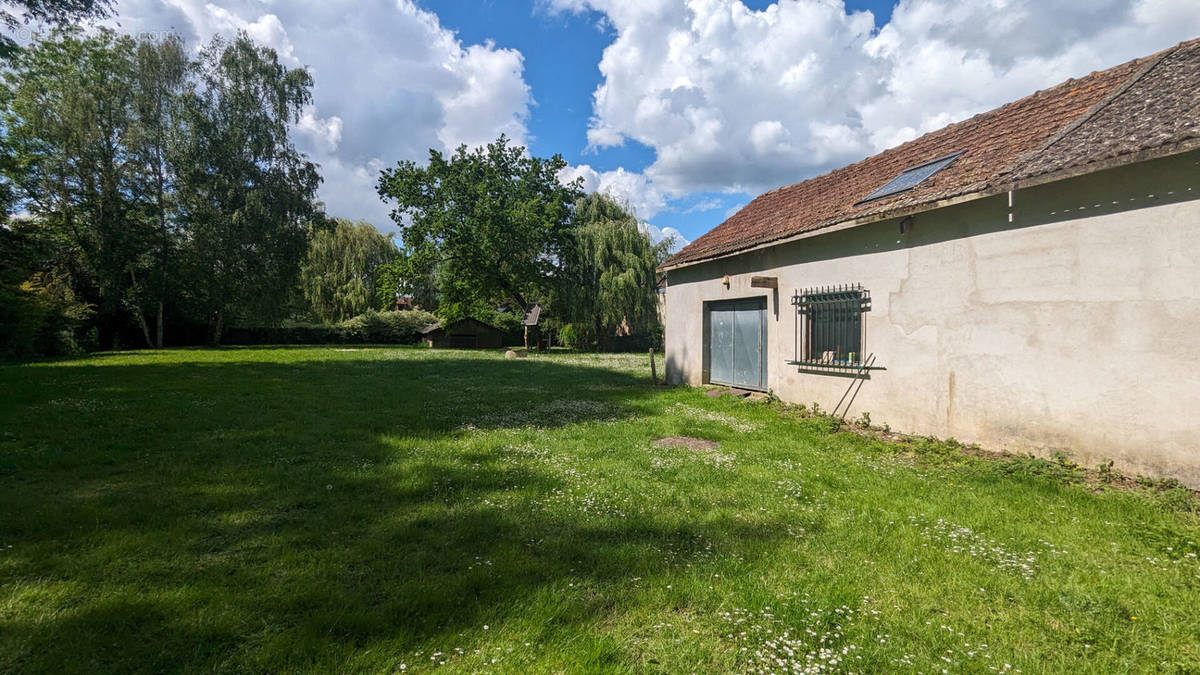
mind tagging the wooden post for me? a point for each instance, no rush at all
(653, 371)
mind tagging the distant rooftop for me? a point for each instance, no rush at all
(532, 314)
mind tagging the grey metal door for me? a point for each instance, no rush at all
(737, 343)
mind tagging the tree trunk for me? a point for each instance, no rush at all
(601, 338)
(214, 336)
(159, 328)
(164, 233)
(141, 317)
(145, 329)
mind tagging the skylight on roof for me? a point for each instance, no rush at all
(911, 177)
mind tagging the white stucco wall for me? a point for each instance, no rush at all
(1075, 327)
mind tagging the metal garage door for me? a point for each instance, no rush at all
(737, 342)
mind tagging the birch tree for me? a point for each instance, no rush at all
(245, 192)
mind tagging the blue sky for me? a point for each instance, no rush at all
(562, 52)
(686, 109)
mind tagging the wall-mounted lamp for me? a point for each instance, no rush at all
(725, 281)
(906, 224)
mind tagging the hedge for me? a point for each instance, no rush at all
(371, 327)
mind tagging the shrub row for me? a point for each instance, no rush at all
(371, 327)
(580, 337)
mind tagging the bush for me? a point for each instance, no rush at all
(295, 334)
(21, 319)
(510, 323)
(638, 342)
(386, 327)
(574, 336)
(41, 317)
(582, 337)
(369, 327)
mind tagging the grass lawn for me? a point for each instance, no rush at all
(389, 509)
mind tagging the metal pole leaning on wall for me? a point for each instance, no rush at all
(858, 379)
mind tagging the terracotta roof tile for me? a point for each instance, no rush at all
(1118, 111)
(1159, 107)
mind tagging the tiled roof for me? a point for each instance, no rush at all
(1159, 107)
(1120, 112)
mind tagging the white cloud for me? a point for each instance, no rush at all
(729, 99)
(658, 234)
(635, 190)
(390, 82)
(703, 205)
(732, 99)
(630, 187)
(327, 132)
(482, 104)
(769, 137)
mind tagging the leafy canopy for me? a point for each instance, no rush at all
(490, 225)
(245, 191)
(611, 270)
(167, 185)
(338, 274)
(72, 134)
(57, 13)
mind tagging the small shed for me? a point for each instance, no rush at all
(533, 314)
(463, 334)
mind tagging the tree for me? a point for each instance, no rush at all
(163, 182)
(397, 277)
(70, 125)
(338, 273)
(57, 13)
(492, 225)
(244, 190)
(611, 275)
(163, 78)
(39, 311)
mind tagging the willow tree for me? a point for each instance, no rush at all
(611, 277)
(338, 274)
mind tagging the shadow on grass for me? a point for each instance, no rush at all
(276, 515)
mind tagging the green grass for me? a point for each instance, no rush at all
(380, 509)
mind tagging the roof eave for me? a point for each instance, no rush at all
(838, 226)
(1159, 152)
(1001, 187)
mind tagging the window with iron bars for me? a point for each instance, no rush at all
(829, 330)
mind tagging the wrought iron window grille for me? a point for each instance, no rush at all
(829, 328)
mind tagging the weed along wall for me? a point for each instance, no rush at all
(1068, 320)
